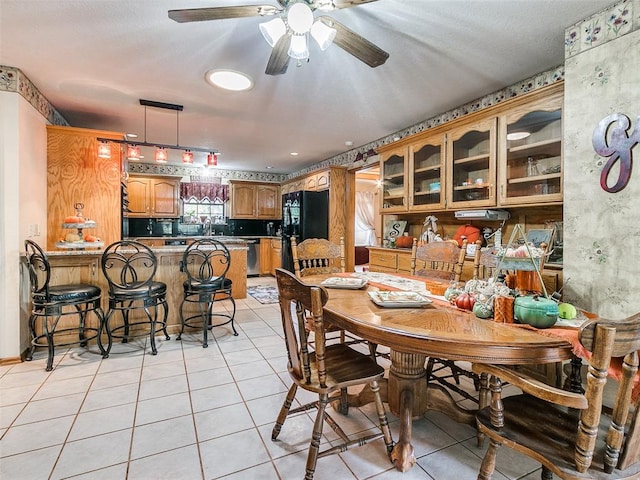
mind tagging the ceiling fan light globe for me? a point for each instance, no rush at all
(322, 34)
(298, 47)
(299, 18)
(273, 30)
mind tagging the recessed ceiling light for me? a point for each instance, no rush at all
(269, 167)
(348, 143)
(517, 135)
(132, 135)
(294, 154)
(229, 80)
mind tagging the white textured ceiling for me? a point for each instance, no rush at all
(94, 59)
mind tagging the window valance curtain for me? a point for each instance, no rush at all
(204, 191)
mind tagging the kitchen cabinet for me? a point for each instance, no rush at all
(471, 162)
(426, 164)
(75, 174)
(317, 181)
(394, 169)
(275, 247)
(255, 201)
(530, 153)
(388, 260)
(265, 256)
(153, 197)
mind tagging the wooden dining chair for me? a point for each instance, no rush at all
(438, 260)
(485, 263)
(315, 256)
(323, 370)
(442, 261)
(573, 435)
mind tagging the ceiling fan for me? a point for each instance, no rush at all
(289, 32)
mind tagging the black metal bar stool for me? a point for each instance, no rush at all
(129, 268)
(51, 303)
(206, 263)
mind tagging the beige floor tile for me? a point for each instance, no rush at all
(179, 464)
(33, 465)
(215, 397)
(453, 459)
(50, 408)
(218, 422)
(102, 398)
(262, 386)
(93, 454)
(163, 408)
(222, 456)
(99, 422)
(163, 386)
(209, 378)
(34, 436)
(163, 436)
(266, 471)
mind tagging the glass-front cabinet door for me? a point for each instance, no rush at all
(530, 154)
(471, 154)
(393, 175)
(426, 189)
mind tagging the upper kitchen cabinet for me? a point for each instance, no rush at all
(75, 174)
(394, 173)
(153, 197)
(530, 152)
(471, 154)
(427, 177)
(255, 201)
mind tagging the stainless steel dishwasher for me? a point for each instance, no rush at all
(253, 256)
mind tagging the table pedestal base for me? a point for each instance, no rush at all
(412, 397)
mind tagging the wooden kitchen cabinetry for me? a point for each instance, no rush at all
(426, 164)
(75, 174)
(388, 260)
(274, 254)
(153, 197)
(471, 161)
(530, 153)
(394, 170)
(255, 201)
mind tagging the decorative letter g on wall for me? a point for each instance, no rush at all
(618, 148)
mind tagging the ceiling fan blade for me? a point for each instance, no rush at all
(356, 45)
(279, 59)
(350, 3)
(219, 13)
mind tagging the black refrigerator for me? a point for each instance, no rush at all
(305, 215)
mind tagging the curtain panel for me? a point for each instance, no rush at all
(204, 191)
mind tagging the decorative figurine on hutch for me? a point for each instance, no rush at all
(79, 240)
(430, 230)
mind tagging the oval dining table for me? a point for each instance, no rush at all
(437, 330)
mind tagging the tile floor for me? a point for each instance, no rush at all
(194, 413)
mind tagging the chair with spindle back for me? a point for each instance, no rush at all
(570, 434)
(322, 370)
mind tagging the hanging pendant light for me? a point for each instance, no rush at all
(187, 156)
(133, 152)
(212, 160)
(104, 149)
(161, 155)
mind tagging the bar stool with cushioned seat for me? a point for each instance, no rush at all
(206, 263)
(51, 303)
(129, 268)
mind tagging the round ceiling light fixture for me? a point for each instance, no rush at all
(517, 135)
(229, 80)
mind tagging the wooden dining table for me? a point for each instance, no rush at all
(437, 330)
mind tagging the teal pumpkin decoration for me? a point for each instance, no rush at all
(451, 292)
(482, 310)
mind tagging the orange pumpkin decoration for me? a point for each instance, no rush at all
(404, 242)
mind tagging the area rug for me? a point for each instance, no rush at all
(264, 294)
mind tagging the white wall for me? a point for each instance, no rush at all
(23, 204)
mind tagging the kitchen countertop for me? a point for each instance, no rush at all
(232, 243)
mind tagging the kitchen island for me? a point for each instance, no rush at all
(84, 266)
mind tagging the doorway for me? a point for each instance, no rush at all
(364, 219)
